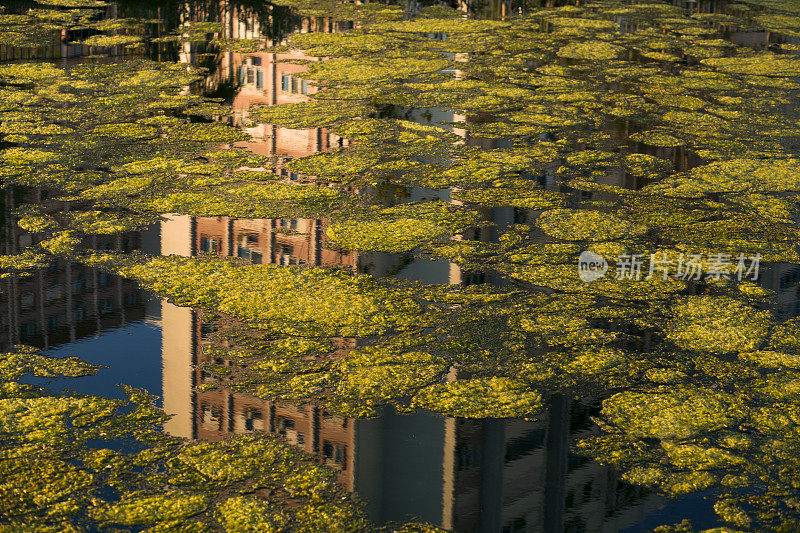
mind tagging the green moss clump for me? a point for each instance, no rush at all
(401, 228)
(57, 476)
(287, 300)
(480, 398)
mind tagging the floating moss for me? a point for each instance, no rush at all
(656, 138)
(717, 325)
(248, 291)
(242, 514)
(585, 225)
(480, 398)
(400, 228)
(675, 414)
(593, 50)
(54, 480)
(536, 112)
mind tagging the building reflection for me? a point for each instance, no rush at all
(461, 474)
(270, 79)
(464, 475)
(62, 44)
(65, 301)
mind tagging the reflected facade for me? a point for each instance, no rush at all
(463, 475)
(66, 301)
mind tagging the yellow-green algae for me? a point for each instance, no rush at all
(287, 300)
(480, 398)
(401, 228)
(56, 471)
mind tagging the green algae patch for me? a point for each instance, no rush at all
(53, 479)
(515, 193)
(401, 228)
(699, 457)
(231, 464)
(567, 330)
(246, 200)
(26, 360)
(242, 514)
(657, 138)
(646, 165)
(717, 325)
(289, 300)
(586, 24)
(316, 113)
(735, 175)
(372, 376)
(592, 50)
(759, 65)
(672, 413)
(480, 398)
(56, 485)
(772, 359)
(576, 225)
(445, 25)
(733, 513)
(786, 337)
(22, 264)
(105, 41)
(146, 509)
(373, 70)
(43, 419)
(390, 369)
(482, 166)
